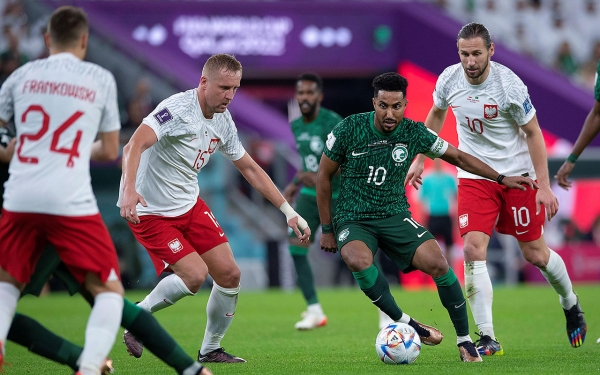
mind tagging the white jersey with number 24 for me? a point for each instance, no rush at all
(59, 105)
(489, 117)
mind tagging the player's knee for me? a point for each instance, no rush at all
(474, 251)
(438, 268)
(536, 258)
(231, 279)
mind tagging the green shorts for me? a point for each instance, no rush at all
(398, 236)
(306, 206)
(50, 264)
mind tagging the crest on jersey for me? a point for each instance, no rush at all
(399, 153)
(163, 116)
(212, 146)
(316, 144)
(527, 106)
(343, 235)
(175, 245)
(463, 220)
(490, 111)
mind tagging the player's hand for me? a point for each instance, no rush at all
(290, 191)
(563, 173)
(328, 243)
(129, 201)
(413, 177)
(300, 227)
(308, 179)
(519, 182)
(546, 197)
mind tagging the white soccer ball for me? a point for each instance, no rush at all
(398, 344)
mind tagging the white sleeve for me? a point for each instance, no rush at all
(162, 119)
(6, 98)
(521, 109)
(438, 148)
(440, 93)
(231, 146)
(110, 120)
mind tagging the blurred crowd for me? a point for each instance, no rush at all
(561, 34)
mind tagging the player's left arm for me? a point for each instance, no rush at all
(473, 165)
(591, 128)
(537, 151)
(106, 148)
(261, 181)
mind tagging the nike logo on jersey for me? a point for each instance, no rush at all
(354, 153)
(454, 106)
(458, 306)
(517, 232)
(421, 235)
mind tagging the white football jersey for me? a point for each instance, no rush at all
(59, 105)
(167, 176)
(489, 117)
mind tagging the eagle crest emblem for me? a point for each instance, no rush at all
(490, 111)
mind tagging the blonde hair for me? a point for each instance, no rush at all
(221, 61)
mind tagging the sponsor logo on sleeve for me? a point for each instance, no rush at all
(163, 116)
(527, 106)
(330, 141)
(463, 220)
(490, 111)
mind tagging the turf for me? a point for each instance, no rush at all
(529, 323)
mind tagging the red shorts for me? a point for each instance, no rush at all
(483, 203)
(82, 243)
(168, 239)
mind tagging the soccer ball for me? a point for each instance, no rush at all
(398, 344)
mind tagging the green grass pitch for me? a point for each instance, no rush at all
(528, 321)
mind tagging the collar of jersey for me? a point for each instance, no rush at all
(376, 131)
(63, 55)
(484, 83)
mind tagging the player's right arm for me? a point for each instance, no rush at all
(591, 128)
(106, 148)
(143, 138)
(435, 121)
(327, 169)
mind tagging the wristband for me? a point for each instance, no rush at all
(295, 180)
(572, 158)
(326, 228)
(287, 210)
(500, 178)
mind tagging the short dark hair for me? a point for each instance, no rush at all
(66, 25)
(221, 61)
(475, 30)
(391, 81)
(312, 77)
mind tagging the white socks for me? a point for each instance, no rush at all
(9, 295)
(405, 318)
(219, 310)
(556, 274)
(315, 309)
(168, 291)
(478, 288)
(101, 331)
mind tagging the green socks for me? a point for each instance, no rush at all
(376, 287)
(454, 301)
(39, 340)
(306, 281)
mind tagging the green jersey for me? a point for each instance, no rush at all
(310, 141)
(597, 86)
(374, 165)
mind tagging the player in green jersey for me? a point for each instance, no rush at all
(591, 128)
(29, 333)
(310, 132)
(374, 151)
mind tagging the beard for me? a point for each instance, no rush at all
(310, 111)
(480, 73)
